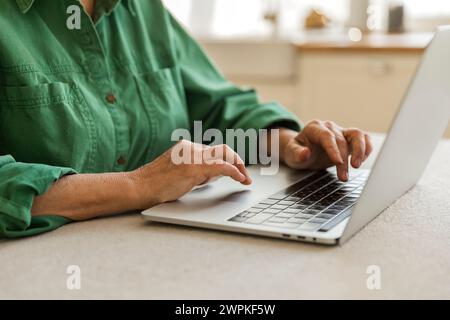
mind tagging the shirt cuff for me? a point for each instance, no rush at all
(20, 183)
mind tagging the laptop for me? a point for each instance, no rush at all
(315, 206)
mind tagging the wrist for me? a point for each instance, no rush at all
(141, 194)
(285, 136)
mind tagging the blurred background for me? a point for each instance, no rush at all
(346, 60)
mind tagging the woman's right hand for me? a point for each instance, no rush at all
(166, 179)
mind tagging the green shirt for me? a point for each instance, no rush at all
(104, 98)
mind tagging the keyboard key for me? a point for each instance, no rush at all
(242, 214)
(259, 218)
(318, 220)
(332, 211)
(293, 198)
(277, 220)
(309, 226)
(298, 206)
(311, 212)
(292, 210)
(279, 196)
(303, 216)
(279, 206)
(301, 194)
(238, 219)
(318, 207)
(332, 223)
(352, 185)
(286, 202)
(326, 216)
(327, 202)
(249, 214)
(285, 215)
(255, 210)
(261, 206)
(272, 211)
(296, 220)
(269, 201)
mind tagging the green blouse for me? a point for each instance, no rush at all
(102, 98)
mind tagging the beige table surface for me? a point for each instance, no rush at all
(124, 257)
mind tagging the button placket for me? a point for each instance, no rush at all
(97, 68)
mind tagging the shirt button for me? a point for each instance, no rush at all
(111, 98)
(121, 161)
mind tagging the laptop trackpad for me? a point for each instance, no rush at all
(239, 196)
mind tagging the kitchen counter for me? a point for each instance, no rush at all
(404, 43)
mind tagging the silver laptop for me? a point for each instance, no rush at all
(315, 206)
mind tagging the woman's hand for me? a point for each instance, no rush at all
(166, 179)
(85, 196)
(322, 144)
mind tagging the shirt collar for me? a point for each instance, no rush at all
(25, 5)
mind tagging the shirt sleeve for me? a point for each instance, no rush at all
(19, 184)
(217, 102)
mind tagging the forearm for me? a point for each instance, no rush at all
(86, 196)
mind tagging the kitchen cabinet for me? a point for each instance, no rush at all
(356, 84)
(354, 89)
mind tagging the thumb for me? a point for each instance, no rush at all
(301, 153)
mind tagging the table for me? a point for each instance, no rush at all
(125, 257)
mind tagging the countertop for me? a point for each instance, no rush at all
(125, 257)
(377, 42)
(331, 40)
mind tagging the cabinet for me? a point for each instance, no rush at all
(353, 89)
(358, 85)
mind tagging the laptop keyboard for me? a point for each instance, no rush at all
(317, 203)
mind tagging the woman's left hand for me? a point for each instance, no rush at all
(322, 144)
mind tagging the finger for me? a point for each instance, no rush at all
(369, 146)
(230, 156)
(342, 169)
(297, 156)
(298, 153)
(223, 152)
(357, 141)
(223, 168)
(327, 140)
